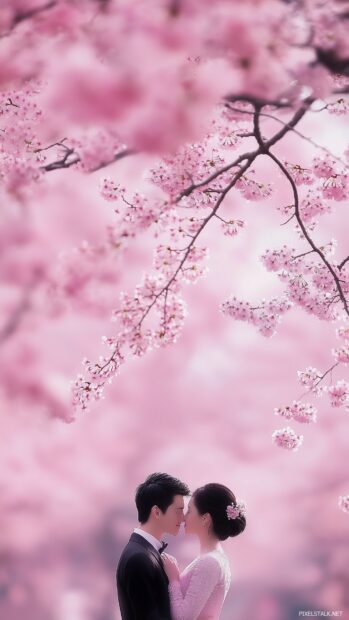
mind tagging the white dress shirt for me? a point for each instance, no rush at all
(149, 537)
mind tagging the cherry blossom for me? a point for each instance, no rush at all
(339, 394)
(338, 107)
(253, 190)
(336, 187)
(302, 176)
(310, 378)
(324, 167)
(231, 228)
(298, 411)
(287, 438)
(343, 503)
(341, 354)
(312, 206)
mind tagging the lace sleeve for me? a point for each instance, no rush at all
(204, 578)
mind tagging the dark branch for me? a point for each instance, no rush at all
(65, 162)
(341, 265)
(332, 62)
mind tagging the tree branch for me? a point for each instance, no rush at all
(341, 265)
(66, 163)
(248, 158)
(265, 146)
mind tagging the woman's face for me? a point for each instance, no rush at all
(194, 523)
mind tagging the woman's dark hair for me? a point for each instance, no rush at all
(158, 490)
(214, 499)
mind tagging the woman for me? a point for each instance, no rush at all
(198, 593)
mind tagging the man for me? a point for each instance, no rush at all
(142, 583)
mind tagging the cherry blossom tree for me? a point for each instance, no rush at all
(217, 94)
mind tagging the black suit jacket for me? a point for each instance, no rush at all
(142, 583)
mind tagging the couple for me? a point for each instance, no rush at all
(150, 585)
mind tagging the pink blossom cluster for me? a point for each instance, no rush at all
(339, 107)
(110, 190)
(339, 394)
(312, 206)
(134, 338)
(301, 175)
(229, 133)
(323, 279)
(336, 187)
(253, 190)
(341, 353)
(343, 332)
(20, 157)
(286, 438)
(83, 391)
(137, 212)
(284, 259)
(232, 227)
(310, 378)
(266, 316)
(343, 503)
(333, 178)
(309, 284)
(328, 179)
(176, 227)
(168, 260)
(192, 164)
(305, 413)
(324, 167)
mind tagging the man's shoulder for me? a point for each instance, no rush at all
(136, 562)
(135, 554)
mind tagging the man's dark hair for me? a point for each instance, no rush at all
(157, 490)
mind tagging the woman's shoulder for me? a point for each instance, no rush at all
(213, 561)
(221, 559)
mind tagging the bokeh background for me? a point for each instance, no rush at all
(201, 410)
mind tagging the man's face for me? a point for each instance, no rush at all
(173, 517)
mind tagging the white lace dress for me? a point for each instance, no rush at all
(202, 587)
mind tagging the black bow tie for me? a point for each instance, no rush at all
(163, 546)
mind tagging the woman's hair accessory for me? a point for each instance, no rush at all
(236, 510)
